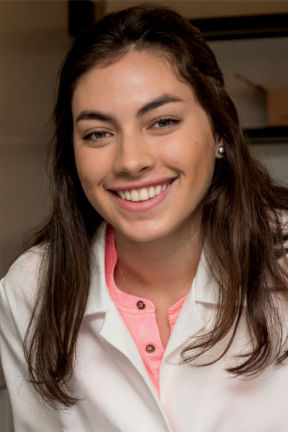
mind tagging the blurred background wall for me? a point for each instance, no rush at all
(33, 39)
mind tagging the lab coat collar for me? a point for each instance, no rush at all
(204, 288)
(190, 322)
(98, 300)
(113, 328)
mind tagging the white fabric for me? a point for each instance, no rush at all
(110, 378)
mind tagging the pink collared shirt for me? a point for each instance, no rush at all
(138, 313)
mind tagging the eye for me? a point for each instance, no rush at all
(166, 122)
(96, 135)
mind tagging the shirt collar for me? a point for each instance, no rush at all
(205, 286)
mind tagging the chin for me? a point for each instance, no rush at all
(143, 232)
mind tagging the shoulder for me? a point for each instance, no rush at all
(26, 264)
(18, 289)
(26, 268)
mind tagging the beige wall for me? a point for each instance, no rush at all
(210, 8)
(33, 39)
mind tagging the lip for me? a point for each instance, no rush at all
(141, 206)
(143, 184)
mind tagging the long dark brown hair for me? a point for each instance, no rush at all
(242, 213)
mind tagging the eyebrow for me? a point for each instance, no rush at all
(95, 115)
(155, 103)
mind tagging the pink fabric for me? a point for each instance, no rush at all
(141, 323)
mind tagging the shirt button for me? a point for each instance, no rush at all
(141, 304)
(150, 348)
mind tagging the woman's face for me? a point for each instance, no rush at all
(144, 147)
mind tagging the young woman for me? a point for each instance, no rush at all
(155, 298)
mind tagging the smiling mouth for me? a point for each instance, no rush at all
(144, 193)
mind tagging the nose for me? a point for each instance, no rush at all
(134, 155)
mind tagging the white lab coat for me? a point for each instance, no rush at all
(110, 379)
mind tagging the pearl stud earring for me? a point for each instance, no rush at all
(221, 150)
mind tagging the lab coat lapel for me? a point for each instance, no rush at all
(113, 328)
(190, 323)
(116, 333)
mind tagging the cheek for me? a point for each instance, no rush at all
(191, 156)
(90, 169)
(90, 179)
(203, 165)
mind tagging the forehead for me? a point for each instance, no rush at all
(131, 78)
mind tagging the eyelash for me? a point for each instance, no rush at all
(171, 122)
(89, 136)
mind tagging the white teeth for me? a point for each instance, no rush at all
(142, 194)
(158, 189)
(151, 192)
(134, 195)
(127, 195)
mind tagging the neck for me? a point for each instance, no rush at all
(162, 270)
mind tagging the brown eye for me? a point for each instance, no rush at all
(97, 135)
(165, 123)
